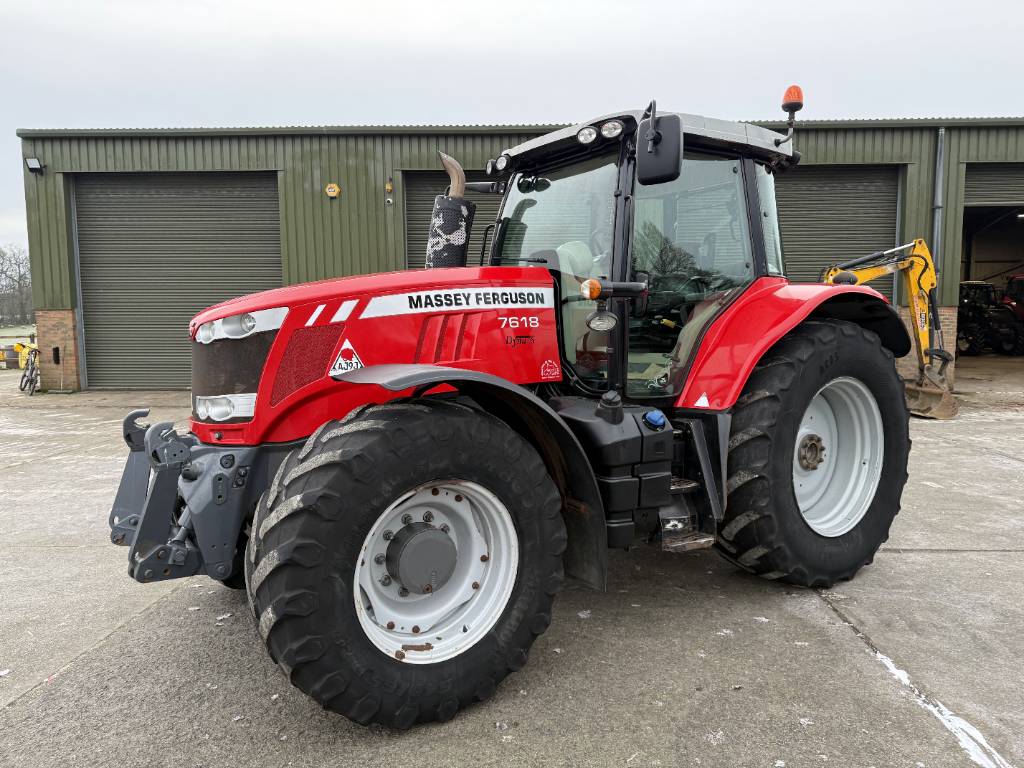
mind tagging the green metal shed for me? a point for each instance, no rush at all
(153, 223)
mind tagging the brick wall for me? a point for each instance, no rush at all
(56, 328)
(907, 366)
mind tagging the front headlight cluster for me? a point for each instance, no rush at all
(224, 407)
(588, 134)
(240, 326)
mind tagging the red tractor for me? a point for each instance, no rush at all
(401, 469)
(1013, 296)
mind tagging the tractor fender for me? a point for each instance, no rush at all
(586, 555)
(763, 314)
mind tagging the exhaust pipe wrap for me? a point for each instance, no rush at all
(451, 221)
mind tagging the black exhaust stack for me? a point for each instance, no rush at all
(451, 221)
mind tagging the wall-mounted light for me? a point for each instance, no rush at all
(389, 187)
(34, 165)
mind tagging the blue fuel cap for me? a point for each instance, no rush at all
(654, 420)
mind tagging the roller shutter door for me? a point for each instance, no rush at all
(153, 250)
(994, 184)
(421, 187)
(831, 213)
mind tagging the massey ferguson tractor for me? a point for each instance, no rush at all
(401, 469)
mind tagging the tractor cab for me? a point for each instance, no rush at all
(674, 212)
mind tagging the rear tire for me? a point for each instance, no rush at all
(312, 535)
(766, 530)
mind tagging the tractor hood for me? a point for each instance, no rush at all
(326, 291)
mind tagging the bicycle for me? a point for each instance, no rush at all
(30, 376)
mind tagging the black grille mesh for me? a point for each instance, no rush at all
(230, 366)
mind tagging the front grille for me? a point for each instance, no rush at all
(306, 359)
(229, 366)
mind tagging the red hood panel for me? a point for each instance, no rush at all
(373, 285)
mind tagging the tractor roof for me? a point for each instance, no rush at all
(744, 137)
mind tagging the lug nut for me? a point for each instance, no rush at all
(434, 491)
(416, 629)
(399, 655)
(406, 519)
(458, 497)
(476, 585)
(402, 592)
(428, 516)
(389, 535)
(379, 559)
(427, 589)
(391, 625)
(484, 558)
(445, 528)
(385, 580)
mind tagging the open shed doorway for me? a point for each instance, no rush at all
(993, 243)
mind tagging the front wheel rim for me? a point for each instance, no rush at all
(431, 622)
(837, 459)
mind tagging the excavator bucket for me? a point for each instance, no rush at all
(930, 397)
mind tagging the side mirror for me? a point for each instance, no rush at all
(659, 150)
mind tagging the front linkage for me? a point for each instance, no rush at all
(181, 505)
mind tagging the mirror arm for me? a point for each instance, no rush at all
(653, 135)
(486, 187)
(622, 289)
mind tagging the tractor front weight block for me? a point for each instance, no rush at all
(181, 505)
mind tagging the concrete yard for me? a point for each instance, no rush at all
(684, 661)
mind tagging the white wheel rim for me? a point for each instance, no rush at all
(834, 487)
(452, 619)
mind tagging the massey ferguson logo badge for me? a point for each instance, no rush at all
(550, 370)
(348, 359)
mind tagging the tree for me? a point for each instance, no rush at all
(15, 286)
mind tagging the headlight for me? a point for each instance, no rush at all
(601, 321)
(587, 135)
(502, 162)
(240, 326)
(224, 407)
(611, 129)
(204, 335)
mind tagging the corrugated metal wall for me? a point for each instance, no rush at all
(356, 233)
(833, 213)
(155, 249)
(994, 184)
(360, 233)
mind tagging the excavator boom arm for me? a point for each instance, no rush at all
(919, 283)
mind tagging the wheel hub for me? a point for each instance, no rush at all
(811, 452)
(842, 423)
(421, 558)
(437, 570)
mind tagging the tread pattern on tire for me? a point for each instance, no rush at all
(748, 535)
(304, 498)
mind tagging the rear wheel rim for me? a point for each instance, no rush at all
(837, 459)
(415, 625)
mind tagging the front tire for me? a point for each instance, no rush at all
(817, 456)
(325, 569)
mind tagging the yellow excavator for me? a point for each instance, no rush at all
(929, 395)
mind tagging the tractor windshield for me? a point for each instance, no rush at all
(563, 218)
(692, 237)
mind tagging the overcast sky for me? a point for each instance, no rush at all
(132, 63)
